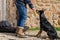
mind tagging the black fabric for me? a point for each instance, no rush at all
(46, 26)
(5, 26)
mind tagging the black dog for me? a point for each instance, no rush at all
(46, 26)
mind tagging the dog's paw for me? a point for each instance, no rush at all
(38, 36)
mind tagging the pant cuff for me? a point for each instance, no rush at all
(21, 27)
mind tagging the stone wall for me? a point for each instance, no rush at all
(11, 12)
(52, 12)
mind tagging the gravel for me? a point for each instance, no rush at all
(29, 34)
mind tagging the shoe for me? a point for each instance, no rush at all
(25, 28)
(19, 32)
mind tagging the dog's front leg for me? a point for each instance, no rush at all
(39, 34)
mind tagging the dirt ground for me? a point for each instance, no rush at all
(29, 34)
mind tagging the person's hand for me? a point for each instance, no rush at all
(34, 10)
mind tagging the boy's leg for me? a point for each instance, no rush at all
(23, 17)
(21, 20)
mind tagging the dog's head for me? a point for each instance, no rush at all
(40, 11)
